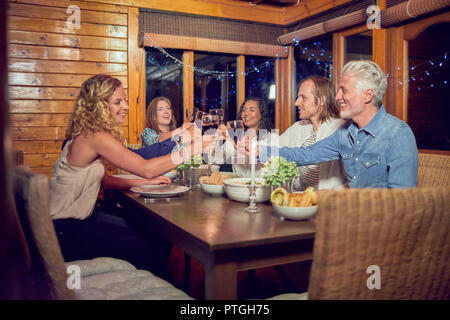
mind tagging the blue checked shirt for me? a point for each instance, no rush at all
(383, 154)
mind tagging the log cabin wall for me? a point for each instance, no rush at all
(48, 62)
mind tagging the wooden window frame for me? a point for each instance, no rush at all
(189, 45)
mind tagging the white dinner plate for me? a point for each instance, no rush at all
(160, 191)
(128, 176)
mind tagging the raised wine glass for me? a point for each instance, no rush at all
(190, 116)
(219, 113)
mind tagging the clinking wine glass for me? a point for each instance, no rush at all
(206, 122)
(237, 131)
(218, 112)
(190, 116)
(198, 119)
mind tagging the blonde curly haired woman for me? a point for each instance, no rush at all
(94, 134)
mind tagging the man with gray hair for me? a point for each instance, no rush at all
(378, 150)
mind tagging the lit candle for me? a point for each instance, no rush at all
(253, 161)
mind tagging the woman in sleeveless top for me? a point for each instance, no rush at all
(255, 118)
(94, 135)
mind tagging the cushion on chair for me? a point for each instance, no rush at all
(101, 265)
(115, 279)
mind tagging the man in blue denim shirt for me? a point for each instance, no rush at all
(378, 150)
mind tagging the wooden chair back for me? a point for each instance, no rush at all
(402, 232)
(433, 170)
(48, 271)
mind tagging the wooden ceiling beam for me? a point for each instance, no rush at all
(231, 9)
(237, 9)
(308, 8)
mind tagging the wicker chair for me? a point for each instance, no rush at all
(433, 171)
(101, 278)
(403, 231)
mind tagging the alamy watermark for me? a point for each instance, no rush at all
(74, 279)
(374, 19)
(74, 19)
(374, 281)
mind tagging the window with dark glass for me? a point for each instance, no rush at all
(312, 58)
(358, 47)
(428, 87)
(164, 77)
(260, 83)
(215, 82)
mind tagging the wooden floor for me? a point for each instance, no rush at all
(261, 284)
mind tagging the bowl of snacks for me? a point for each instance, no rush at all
(238, 189)
(295, 205)
(213, 184)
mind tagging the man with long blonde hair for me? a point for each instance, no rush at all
(319, 118)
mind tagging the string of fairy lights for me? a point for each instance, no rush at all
(418, 76)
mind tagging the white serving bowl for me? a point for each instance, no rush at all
(295, 213)
(238, 191)
(213, 189)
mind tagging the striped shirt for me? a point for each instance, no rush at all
(309, 175)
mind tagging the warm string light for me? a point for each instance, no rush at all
(422, 78)
(326, 65)
(214, 73)
(316, 58)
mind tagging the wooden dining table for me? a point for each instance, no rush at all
(222, 236)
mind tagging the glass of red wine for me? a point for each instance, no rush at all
(206, 123)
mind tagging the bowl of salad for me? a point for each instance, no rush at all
(238, 189)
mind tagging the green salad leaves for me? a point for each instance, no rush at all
(195, 162)
(278, 171)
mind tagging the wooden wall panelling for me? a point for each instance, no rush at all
(338, 56)
(50, 146)
(41, 106)
(49, 61)
(380, 46)
(52, 79)
(66, 40)
(240, 96)
(397, 95)
(28, 65)
(188, 82)
(285, 83)
(136, 78)
(81, 4)
(278, 111)
(51, 12)
(70, 54)
(58, 26)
